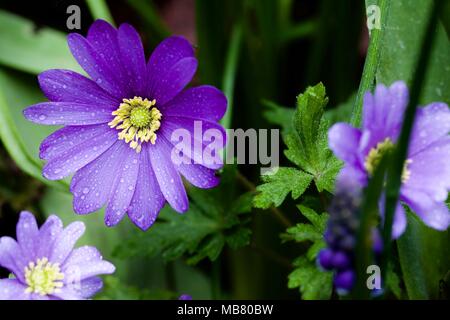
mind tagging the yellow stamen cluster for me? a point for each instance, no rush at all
(138, 119)
(43, 277)
(375, 155)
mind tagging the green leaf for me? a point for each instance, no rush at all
(28, 49)
(424, 258)
(309, 232)
(313, 283)
(279, 115)
(115, 289)
(216, 217)
(278, 185)
(20, 137)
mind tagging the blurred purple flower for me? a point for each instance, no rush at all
(426, 173)
(184, 297)
(46, 266)
(118, 126)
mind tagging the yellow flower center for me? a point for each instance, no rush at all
(375, 155)
(43, 277)
(137, 119)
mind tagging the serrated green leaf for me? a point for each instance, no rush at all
(302, 232)
(314, 250)
(278, 185)
(319, 221)
(214, 219)
(313, 283)
(279, 115)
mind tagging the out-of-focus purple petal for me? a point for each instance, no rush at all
(432, 124)
(198, 147)
(434, 214)
(12, 258)
(94, 64)
(69, 137)
(399, 223)
(67, 86)
(67, 293)
(430, 170)
(68, 113)
(383, 112)
(65, 242)
(103, 38)
(12, 289)
(123, 186)
(75, 158)
(27, 234)
(91, 185)
(169, 179)
(48, 233)
(344, 140)
(147, 199)
(203, 102)
(133, 58)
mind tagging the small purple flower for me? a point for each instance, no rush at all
(184, 297)
(117, 134)
(46, 266)
(426, 173)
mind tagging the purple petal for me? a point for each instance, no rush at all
(68, 113)
(399, 223)
(95, 65)
(68, 138)
(75, 158)
(203, 102)
(430, 170)
(65, 242)
(89, 287)
(197, 147)
(169, 179)
(434, 214)
(91, 185)
(432, 123)
(383, 112)
(169, 84)
(67, 86)
(147, 199)
(11, 257)
(344, 140)
(133, 58)
(86, 270)
(199, 175)
(48, 233)
(12, 289)
(167, 54)
(103, 38)
(81, 255)
(123, 186)
(27, 234)
(67, 293)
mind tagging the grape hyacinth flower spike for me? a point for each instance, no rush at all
(118, 125)
(426, 172)
(44, 264)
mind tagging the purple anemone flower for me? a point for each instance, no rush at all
(45, 265)
(118, 125)
(426, 172)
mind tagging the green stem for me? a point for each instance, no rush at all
(395, 170)
(149, 14)
(371, 64)
(99, 10)
(229, 76)
(301, 30)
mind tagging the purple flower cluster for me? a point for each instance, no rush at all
(340, 236)
(45, 265)
(118, 124)
(426, 172)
